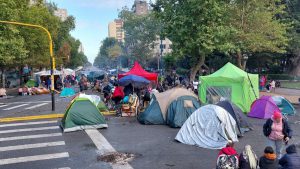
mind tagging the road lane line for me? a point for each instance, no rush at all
(63, 168)
(29, 129)
(28, 123)
(105, 147)
(14, 107)
(33, 158)
(29, 146)
(3, 105)
(35, 106)
(30, 137)
(25, 118)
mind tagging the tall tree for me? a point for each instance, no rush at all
(12, 45)
(104, 58)
(195, 27)
(258, 29)
(141, 32)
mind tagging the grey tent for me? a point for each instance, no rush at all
(171, 107)
(210, 126)
(241, 119)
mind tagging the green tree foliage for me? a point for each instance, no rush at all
(195, 27)
(109, 50)
(11, 42)
(293, 14)
(257, 27)
(141, 32)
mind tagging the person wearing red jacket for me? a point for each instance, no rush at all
(228, 157)
(118, 94)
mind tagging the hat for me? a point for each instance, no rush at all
(291, 149)
(277, 114)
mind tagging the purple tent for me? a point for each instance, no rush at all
(263, 108)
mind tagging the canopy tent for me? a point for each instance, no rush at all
(171, 107)
(82, 114)
(231, 83)
(284, 105)
(240, 118)
(263, 108)
(210, 127)
(139, 71)
(67, 92)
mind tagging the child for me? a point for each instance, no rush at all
(268, 160)
(228, 157)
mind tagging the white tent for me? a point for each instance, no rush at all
(209, 127)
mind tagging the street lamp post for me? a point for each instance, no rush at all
(52, 60)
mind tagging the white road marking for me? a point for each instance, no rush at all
(29, 146)
(105, 147)
(35, 106)
(29, 129)
(63, 168)
(28, 102)
(28, 123)
(30, 137)
(14, 107)
(33, 158)
(3, 105)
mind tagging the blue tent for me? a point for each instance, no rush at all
(67, 92)
(284, 105)
(172, 107)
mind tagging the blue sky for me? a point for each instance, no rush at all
(92, 18)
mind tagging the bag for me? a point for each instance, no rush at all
(227, 162)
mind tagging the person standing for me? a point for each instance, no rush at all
(262, 82)
(291, 160)
(268, 160)
(277, 131)
(248, 159)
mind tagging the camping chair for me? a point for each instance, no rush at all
(130, 109)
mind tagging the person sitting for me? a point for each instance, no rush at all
(291, 160)
(228, 157)
(248, 159)
(268, 160)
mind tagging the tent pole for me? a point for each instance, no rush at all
(251, 86)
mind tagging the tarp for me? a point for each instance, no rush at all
(231, 83)
(263, 108)
(179, 102)
(67, 92)
(82, 114)
(209, 127)
(139, 71)
(48, 73)
(242, 122)
(284, 105)
(30, 83)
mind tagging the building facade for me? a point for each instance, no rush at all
(115, 30)
(140, 7)
(162, 47)
(61, 13)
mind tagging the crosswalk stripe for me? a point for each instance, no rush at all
(33, 158)
(29, 129)
(30, 137)
(35, 106)
(28, 123)
(14, 107)
(29, 146)
(3, 105)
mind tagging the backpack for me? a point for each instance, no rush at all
(227, 162)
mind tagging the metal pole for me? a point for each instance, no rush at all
(50, 50)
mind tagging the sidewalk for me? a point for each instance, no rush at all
(292, 95)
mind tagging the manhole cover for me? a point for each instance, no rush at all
(116, 157)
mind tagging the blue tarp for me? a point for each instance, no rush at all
(67, 92)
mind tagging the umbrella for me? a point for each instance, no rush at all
(135, 81)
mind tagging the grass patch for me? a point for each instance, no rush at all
(291, 85)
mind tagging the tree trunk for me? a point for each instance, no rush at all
(197, 67)
(296, 65)
(241, 63)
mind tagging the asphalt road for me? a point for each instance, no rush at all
(153, 146)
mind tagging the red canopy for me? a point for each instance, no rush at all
(139, 71)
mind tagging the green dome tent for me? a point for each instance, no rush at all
(171, 107)
(82, 114)
(231, 83)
